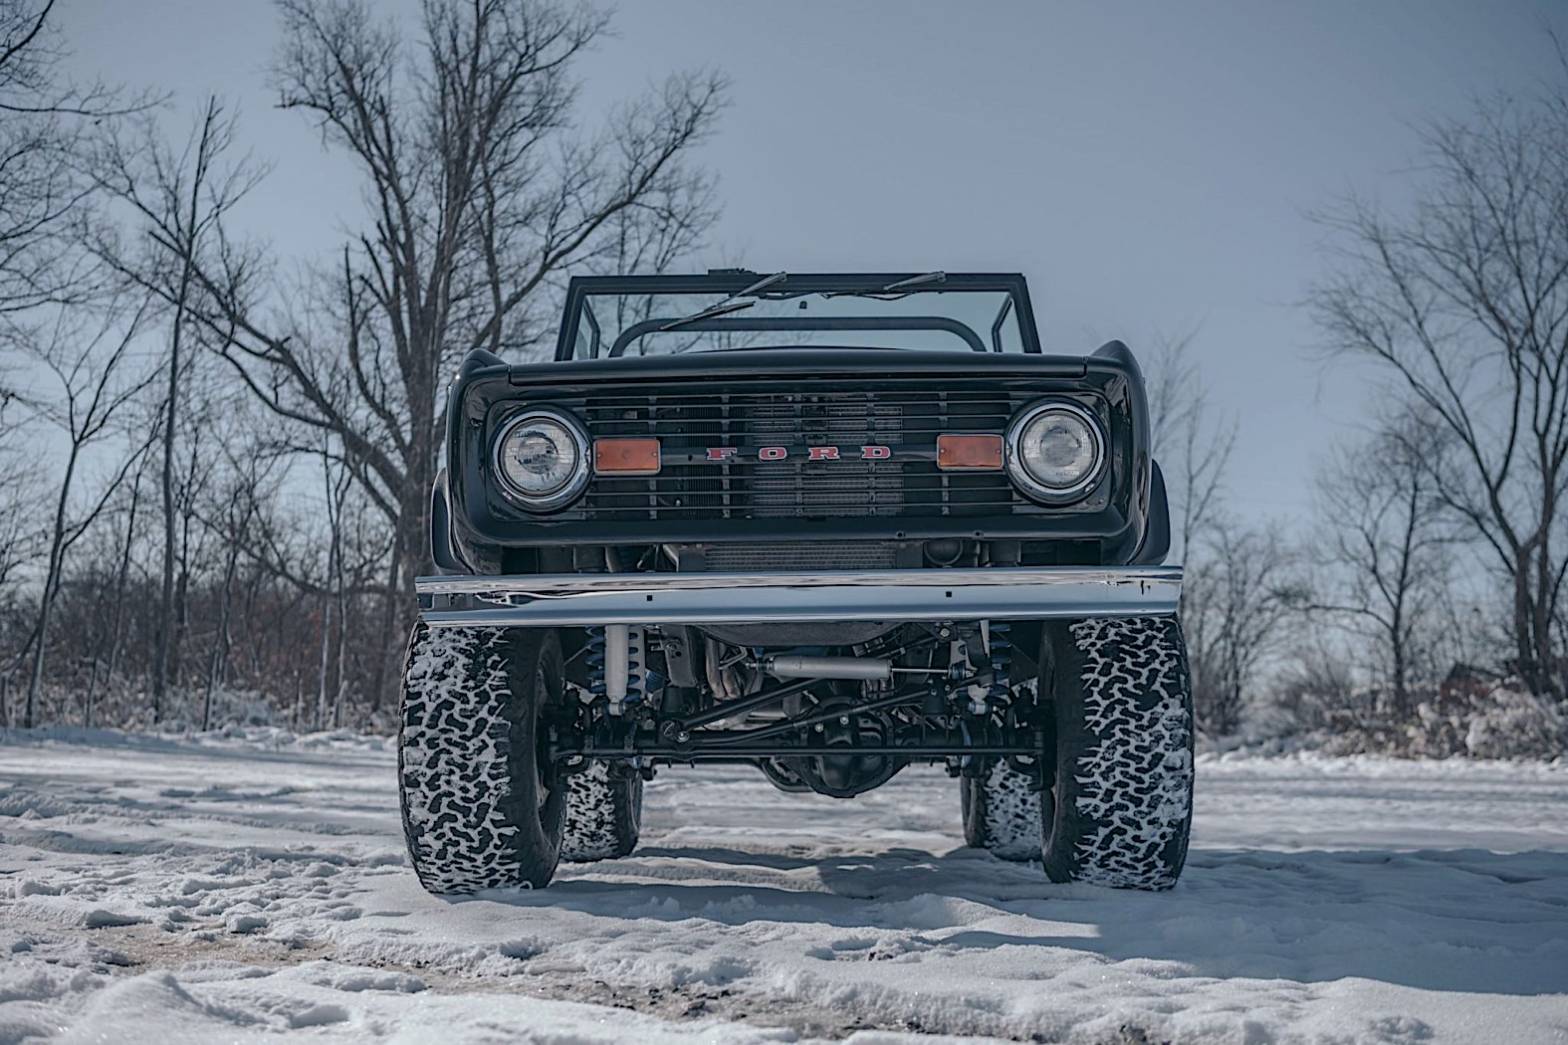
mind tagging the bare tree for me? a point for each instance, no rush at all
(187, 193)
(1194, 451)
(122, 576)
(1193, 448)
(1319, 685)
(336, 481)
(20, 476)
(92, 367)
(250, 478)
(482, 193)
(472, 218)
(184, 194)
(1463, 302)
(1385, 539)
(1240, 602)
(44, 122)
(19, 537)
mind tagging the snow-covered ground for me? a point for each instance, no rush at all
(170, 891)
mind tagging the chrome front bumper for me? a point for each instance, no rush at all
(1016, 593)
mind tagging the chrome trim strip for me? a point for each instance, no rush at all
(1014, 593)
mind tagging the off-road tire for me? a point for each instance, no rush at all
(479, 811)
(1001, 812)
(1120, 810)
(603, 813)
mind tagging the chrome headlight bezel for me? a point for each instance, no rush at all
(1018, 468)
(575, 483)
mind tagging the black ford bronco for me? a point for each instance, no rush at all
(822, 525)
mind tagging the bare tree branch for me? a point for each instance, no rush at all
(1463, 302)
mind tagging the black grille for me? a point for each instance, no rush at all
(800, 555)
(906, 421)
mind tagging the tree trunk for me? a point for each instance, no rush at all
(340, 651)
(51, 582)
(411, 555)
(164, 634)
(321, 672)
(87, 696)
(182, 586)
(1525, 640)
(389, 637)
(160, 675)
(220, 643)
(1401, 694)
(341, 681)
(1551, 677)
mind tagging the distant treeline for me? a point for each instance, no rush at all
(215, 461)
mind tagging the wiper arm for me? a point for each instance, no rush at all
(915, 281)
(722, 308)
(897, 289)
(729, 304)
(762, 284)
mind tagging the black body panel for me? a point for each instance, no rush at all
(814, 390)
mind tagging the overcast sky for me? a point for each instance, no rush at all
(1149, 167)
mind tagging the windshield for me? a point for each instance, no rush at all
(641, 316)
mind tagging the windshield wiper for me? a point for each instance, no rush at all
(722, 308)
(733, 303)
(898, 289)
(915, 281)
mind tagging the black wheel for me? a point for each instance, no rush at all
(1120, 809)
(481, 807)
(603, 813)
(1001, 812)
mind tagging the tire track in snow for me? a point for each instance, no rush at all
(1357, 898)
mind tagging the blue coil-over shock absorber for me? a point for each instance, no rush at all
(1001, 661)
(594, 658)
(636, 665)
(624, 666)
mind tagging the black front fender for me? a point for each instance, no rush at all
(1156, 543)
(442, 549)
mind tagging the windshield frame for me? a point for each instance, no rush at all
(734, 281)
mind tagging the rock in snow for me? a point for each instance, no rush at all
(242, 890)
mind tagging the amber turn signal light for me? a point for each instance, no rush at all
(626, 456)
(969, 453)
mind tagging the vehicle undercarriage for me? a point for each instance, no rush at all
(835, 719)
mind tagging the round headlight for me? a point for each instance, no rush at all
(542, 459)
(1055, 451)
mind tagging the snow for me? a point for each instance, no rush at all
(253, 886)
